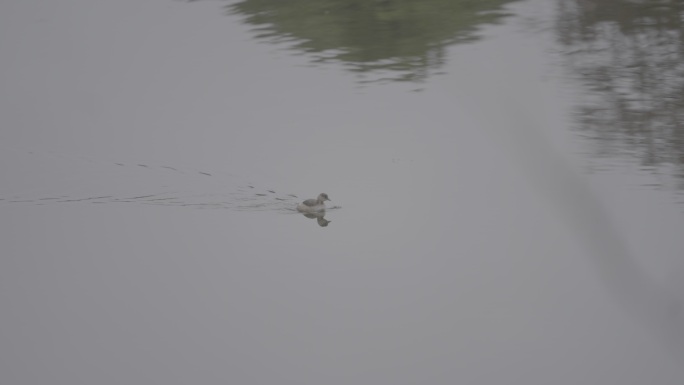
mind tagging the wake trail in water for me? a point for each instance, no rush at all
(51, 178)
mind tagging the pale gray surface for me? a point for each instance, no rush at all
(468, 245)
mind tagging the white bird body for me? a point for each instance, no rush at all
(313, 205)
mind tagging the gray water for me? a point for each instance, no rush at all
(506, 186)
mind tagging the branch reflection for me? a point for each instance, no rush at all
(629, 56)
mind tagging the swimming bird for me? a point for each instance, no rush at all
(313, 205)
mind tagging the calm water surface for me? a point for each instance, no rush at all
(506, 185)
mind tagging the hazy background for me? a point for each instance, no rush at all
(506, 182)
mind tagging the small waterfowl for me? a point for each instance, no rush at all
(313, 205)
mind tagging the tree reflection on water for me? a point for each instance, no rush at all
(630, 57)
(389, 40)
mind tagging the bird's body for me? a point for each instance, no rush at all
(313, 205)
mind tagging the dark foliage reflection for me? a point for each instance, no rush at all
(630, 57)
(390, 40)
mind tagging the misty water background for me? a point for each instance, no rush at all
(506, 181)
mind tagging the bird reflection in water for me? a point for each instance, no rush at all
(320, 218)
